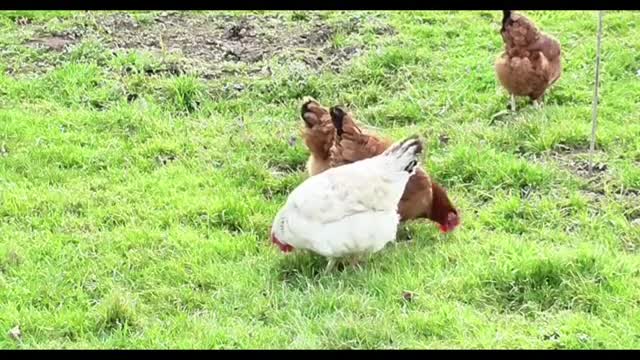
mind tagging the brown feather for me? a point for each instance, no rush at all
(353, 145)
(318, 135)
(531, 62)
(422, 197)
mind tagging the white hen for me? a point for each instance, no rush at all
(348, 210)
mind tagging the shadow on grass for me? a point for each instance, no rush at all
(302, 268)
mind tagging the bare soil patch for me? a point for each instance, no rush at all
(212, 45)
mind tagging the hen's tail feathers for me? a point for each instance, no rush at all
(343, 122)
(506, 17)
(337, 117)
(406, 153)
(309, 112)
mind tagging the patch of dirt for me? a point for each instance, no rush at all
(596, 174)
(212, 41)
(215, 45)
(578, 161)
(564, 149)
(599, 194)
(594, 195)
(598, 191)
(56, 43)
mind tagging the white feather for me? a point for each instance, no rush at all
(348, 210)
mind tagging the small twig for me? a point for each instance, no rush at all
(594, 116)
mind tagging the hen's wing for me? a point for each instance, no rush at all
(351, 144)
(334, 195)
(374, 184)
(549, 47)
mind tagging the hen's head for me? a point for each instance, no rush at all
(313, 113)
(318, 131)
(283, 247)
(517, 29)
(277, 233)
(506, 19)
(442, 211)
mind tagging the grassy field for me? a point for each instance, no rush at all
(143, 156)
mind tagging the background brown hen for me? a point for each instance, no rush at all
(531, 62)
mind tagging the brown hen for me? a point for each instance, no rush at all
(531, 62)
(422, 197)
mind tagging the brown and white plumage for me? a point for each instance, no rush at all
(348, 210)
(334, 139)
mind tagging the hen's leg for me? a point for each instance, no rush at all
(354, 261)
(330, 265)
(539, 102)
(513, 103)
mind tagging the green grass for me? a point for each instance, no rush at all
(136, 201)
